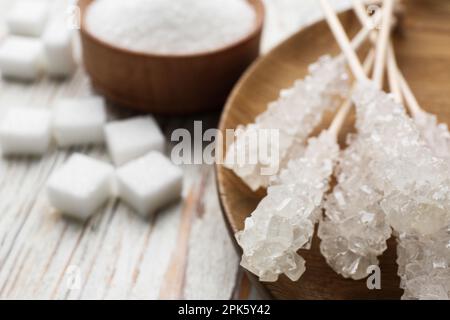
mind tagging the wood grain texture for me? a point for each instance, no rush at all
(423, 49)
(117, 254)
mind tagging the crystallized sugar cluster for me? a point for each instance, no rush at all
(424, 265)
(295, 114)
(284, 220)
(436, 135)
(424, 261)
(415, 183)
(354, 231)
(391, 175)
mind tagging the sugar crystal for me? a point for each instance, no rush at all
(284, 220)
(294, 115)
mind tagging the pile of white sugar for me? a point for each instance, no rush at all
(170, 26)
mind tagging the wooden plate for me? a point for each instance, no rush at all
(423, 50)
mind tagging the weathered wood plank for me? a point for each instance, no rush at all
(182, 252)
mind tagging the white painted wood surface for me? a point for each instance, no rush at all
(184, 251)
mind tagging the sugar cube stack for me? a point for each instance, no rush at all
(58, 48)
(28, 17)
(79, 121)
(81, 186)
(132, 138)
(149, 183)
(25, 131)
(21, 58)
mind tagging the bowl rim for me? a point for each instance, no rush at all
(257, 5)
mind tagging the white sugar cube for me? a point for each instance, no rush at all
(132, 138)
(21, 58)
(81, 186)
(25, 131)
(58, 49)
(79, 121)
(28, 17)
(149, 183)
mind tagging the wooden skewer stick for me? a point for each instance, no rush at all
(343, 41)
(367, 30)
(410, 98)
(365, 20)
(360, 11)
(348, 49)
(392, 64)
(394, 83)
(382, 43)
(340, 117)
(368, 21)
(373, 2)
(397, 82)
(399, 86)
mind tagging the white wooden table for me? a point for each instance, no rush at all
(182, 252)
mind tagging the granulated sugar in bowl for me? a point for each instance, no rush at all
(170, 26)
(169, 57)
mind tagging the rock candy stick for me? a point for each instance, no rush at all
(437, 136)
(388, 144)
(284, 220)
(415, 183)
(295, 114)
(353, 231)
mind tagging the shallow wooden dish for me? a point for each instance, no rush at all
(423, 49)
(168, 84)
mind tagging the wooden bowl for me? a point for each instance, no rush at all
(423, 51)
(168, 84)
